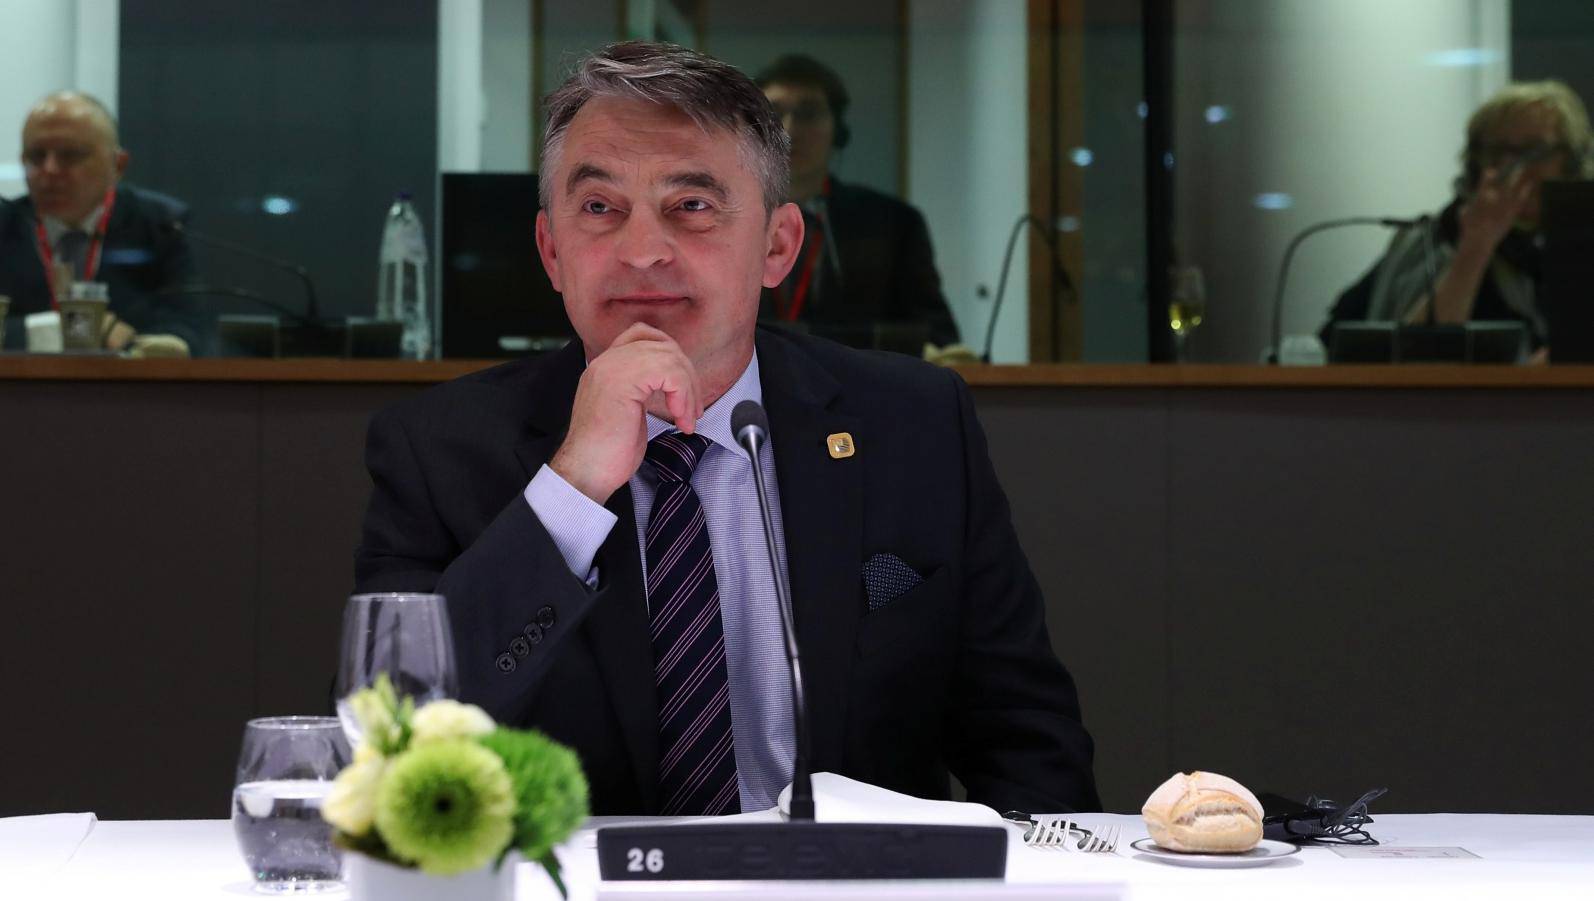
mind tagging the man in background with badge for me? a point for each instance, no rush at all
(79, 216)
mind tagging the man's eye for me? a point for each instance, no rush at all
(595, 206)
(695, 205)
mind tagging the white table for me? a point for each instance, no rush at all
(1521, 856)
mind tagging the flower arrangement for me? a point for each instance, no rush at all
(444, 789)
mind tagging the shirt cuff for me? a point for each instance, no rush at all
(577, 524)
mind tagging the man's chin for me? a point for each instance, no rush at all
(55, 208)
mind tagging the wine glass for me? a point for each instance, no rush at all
(285, 770)
(406, 637)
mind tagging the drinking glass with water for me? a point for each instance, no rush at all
(285, 771)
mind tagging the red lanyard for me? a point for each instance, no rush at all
(799, 293)
(91, 263)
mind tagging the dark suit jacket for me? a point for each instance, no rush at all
(141, 257)
(956, 674)
(886, 274)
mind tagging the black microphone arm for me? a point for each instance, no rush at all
(312, 309)
(750, 426)
(207, 290)
(1060, 273)
(1289, 255)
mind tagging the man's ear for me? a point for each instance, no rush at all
(122, 159)
(545, 249)
(785, 242)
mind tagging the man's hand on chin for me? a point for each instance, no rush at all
(608, 428)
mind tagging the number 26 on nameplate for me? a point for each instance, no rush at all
(637, 860)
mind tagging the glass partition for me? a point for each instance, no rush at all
(977, 175)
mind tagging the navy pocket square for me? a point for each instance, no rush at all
(886, 577)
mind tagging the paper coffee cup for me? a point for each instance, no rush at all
(83, 315)
(44, 332)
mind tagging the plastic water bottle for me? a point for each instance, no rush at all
(401, 283)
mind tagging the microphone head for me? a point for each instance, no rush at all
(749, 414)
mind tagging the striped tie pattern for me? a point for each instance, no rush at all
(697, 766)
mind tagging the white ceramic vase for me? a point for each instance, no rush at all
(377, 880)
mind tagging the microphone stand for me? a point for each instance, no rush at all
(312, 307)
(310, 335)
(750, 427)
(1059, 273)
(1289, 256)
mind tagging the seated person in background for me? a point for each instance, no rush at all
(866, 258)
(1479, 256)
(76, 212)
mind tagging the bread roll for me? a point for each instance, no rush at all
(1203, 812)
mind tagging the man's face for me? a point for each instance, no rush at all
(69, 159)
(805, 112)
(654, 220)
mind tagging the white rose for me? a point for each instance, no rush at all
(375, 718)
(446, 720)
(351, 803)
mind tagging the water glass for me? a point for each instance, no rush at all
(405, 636)
(285, 771)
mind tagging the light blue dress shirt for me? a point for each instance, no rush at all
(755, 656)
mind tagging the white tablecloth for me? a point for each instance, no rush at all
(1521, 856)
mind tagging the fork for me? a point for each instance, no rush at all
(1057, 833)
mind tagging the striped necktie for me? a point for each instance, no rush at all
(697, 763)
(73, 247)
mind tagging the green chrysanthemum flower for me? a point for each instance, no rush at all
(550, 789)
(447, 806)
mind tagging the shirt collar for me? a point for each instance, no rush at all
(716, 422)
(54, 228)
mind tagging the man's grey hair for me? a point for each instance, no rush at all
(716, 96)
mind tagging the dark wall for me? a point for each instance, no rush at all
(1550, 39)
(330, 105)
(1310, 590)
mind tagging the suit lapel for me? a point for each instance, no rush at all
(616, 628)
(822, 509)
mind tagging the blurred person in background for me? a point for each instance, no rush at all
(1479, 258)
(866, 258)
(79, 212)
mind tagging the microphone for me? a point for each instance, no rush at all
(202, 289)
(750, 427)
(798, 848)
(1058, 272)
(312, 307)
(1289, 255)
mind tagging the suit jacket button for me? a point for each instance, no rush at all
(545, 617)
(506, 663)
(520, 646)
(533, 633)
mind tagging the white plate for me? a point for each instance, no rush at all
(1263, 854)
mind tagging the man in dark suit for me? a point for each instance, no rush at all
(866, 275)
(77, 212)
(592, 523)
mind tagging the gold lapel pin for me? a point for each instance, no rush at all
(840, 445)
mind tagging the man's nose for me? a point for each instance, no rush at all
(644, 240)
